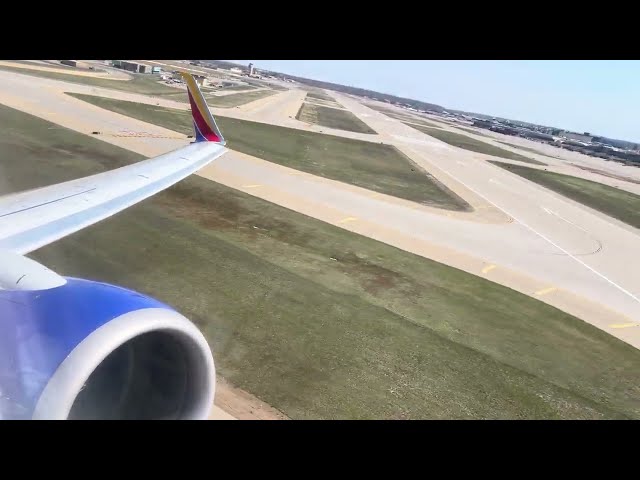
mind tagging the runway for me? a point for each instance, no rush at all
(520, 234)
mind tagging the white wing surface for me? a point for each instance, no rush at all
(32, 219)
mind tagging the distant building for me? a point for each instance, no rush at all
(504, 130)
(132, 66)
(482, 123)
(251, 70)
(575, 143)
(74, 63)
(176, 75)
(540, 135)
(578, 137)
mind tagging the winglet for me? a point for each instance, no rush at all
(203, 122)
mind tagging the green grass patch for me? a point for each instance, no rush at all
(374, 166)
(320, 95)
(620, 204)
(145, 84)
(237, 99)
(237, 87)
(526, 149)
(463, 141)
(412, 122)
(332, 118)
(322, 103)
(274, 86)
(475, 132)
(318, 101)
(403, 117)
(223, 101)
(320, 322)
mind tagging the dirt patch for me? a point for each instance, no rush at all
(242, 405)
(187, 200)
(373, 278)
(192, 200)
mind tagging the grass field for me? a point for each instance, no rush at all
(320, 322)
(526, 149)
(274, 86)
(147, 85)
(320, 95)
(140, 83)
(468, 130)
(224, 101)
(318, 101)
(323, 103)
(412, 122)
(53, 64)
(624, 206)
(237, 87)
(402, 116)
(332, 118)
(463, 141)
(375, 166)
(237, 99)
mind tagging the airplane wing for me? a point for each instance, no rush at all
(32, 219)
(79, 349)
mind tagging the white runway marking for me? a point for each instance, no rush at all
(551, 212)
(611, 282)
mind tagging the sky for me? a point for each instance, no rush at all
(599, 97)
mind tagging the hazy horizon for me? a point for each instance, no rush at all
(596, 96)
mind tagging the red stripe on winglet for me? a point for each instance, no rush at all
(200, 121)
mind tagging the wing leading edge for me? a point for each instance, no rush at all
(34, 218)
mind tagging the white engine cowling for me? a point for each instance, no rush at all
(146, 364)
(89, 350)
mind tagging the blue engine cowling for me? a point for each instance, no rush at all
(90, 350)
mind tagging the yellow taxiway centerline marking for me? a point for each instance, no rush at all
(488, 268)
(624, 325)
(251, 186)
(348, 219)
(544, 291)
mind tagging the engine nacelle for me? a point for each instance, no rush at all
(89, 350)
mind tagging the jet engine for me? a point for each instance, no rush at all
(80, 349)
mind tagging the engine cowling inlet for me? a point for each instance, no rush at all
(89, 350)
